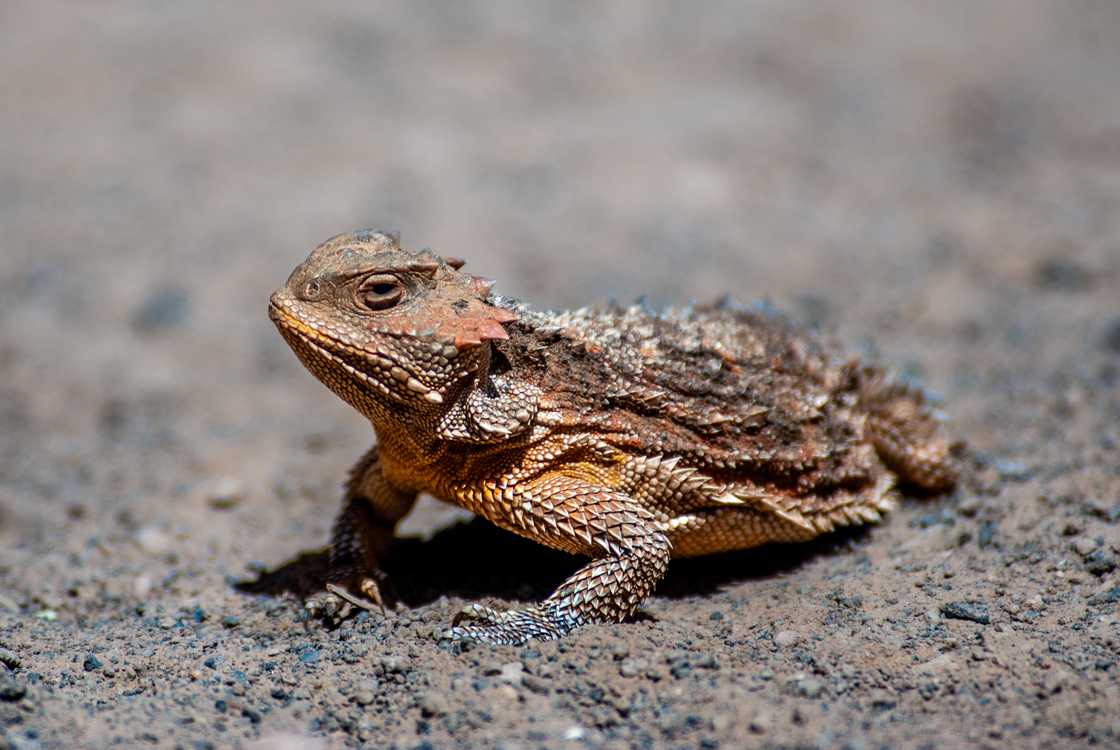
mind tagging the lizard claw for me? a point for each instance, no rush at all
(337, 602)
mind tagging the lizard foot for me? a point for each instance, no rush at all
(337, 601)
(511, 627)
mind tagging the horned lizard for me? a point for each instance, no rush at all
(618, 434)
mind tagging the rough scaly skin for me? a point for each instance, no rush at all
(621, 435)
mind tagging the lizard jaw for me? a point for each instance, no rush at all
(310, 344)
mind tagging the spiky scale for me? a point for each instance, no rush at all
(621, 434)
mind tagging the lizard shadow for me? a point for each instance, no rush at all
(475, 560)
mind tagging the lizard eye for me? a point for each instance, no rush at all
(380, 292)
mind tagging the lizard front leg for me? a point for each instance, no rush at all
(630, 556)
(360, 541)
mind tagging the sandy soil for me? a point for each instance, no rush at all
(939, 188)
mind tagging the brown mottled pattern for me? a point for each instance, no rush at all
(623, 435)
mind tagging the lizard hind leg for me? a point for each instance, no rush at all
(631, 555)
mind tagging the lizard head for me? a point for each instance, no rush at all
(390, 331)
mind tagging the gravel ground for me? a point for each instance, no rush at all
(938, 186)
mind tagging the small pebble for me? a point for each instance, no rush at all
(574, 733)
(92, 663)
(986, 534)
(10, 690)
(971, 611)
(1100, 562)
(433, 704)
(787, 638)
(1013, 471)
(364, 697)
(761, 722)
(152, 540)
(1108, 596)
(883, 701)
(969, 506)
(512, 672)
(1083, 545)
(225, 494)
(631, 667)
(536, 685)
(142, 586)
(810, 687)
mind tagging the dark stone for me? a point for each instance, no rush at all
(1108, 597)
(810, 688)
(986, 534)
(971, 611)
(536, 685)
(11, 691)
(1100, 561)
(91, 664)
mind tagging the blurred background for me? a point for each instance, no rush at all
(925, 180)
(937, 184)
(930, 182)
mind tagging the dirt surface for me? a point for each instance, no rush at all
(938, 188)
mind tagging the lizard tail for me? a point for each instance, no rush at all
(908, 437)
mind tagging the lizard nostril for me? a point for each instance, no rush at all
(312, 290)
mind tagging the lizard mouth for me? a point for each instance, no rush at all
(320, 352)
(324, 355)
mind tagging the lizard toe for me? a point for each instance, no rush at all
(327, 606)
(509, 627)
(337, 602)
(478, 615)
